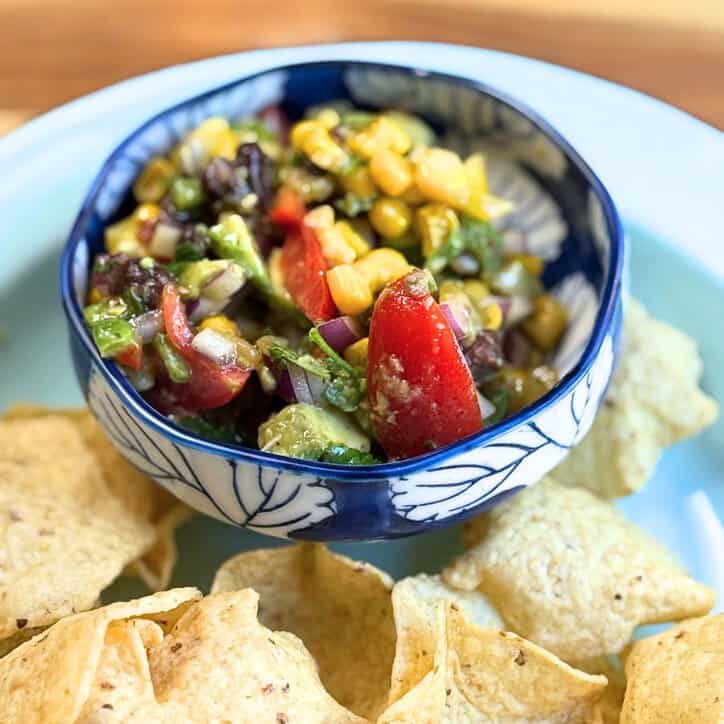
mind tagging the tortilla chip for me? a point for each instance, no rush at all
(612, 697)
(12, 642)
(677, 676)
(488, 675)
(568, 571)
(49, 678)
(415, 602)
(654, 401)
(340, 608)
(64, 536)
(135, 490)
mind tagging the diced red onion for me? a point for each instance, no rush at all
(225, 284)
(148, 325)
(164, 240)
(285, 389)
(215, 346)
(307, 387)
(487, 408)
(340, 332)
(198, 309)
(457, 317)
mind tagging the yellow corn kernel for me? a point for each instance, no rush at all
(94, 296)
(314, 140)
(201, 144)
(390, 217)
(532, 264)
(476, 290)
(329, 118)
(222, 324)
(434, 222)
(545, 326)
(225, 145)
(382, 266)
(352, 238)
(276, 275)
(356, 353)
(476, 173)
(381, 134)
(350, 289)
(391, 172)
(320, 217)
(492, 316)
(487, 207)
(413, 196)
(146, 212)
(440, 176)
(450, 288)
(359, 182)
(299, 133)
(154, 180)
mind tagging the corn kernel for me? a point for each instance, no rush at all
(382, 266)
(476, 173)
(356, 353)
(146, 212)
(390, 217)
(434, 222)
(476, 290)
(450, 288)
(381, 134)
(440, 176)
(154, 180)
(391, 172)
(350, 289)
(329, 118)
(94, 296)
(352, 238)
(335, 248)
(314, 140)
(200, 145)
(545, 326)
(359, 182)
(299, 133)
(532, 264)
(413, 196)
(492, 316)
(320, 217)
(225, 145)
(222, 324)
(487, 207)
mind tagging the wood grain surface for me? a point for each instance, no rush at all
(52, 51)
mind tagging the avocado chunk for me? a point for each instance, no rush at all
(195, 275)
(306, 431)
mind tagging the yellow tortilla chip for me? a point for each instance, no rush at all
(488, 675)
(135, 490)
(340, 608)
(654, 401)
(64, 536)
(568, 571)
(677, 676)
(415, 602)
(49, 678)
(612, 697)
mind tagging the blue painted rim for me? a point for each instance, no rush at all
(139, 407)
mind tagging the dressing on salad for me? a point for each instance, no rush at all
(335, 290)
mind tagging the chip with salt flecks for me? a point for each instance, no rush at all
(677, 676)
(654, 400)
(488, 675)
(134, 489)
(415, 601)
(64, 535)
(340, 608)
(49, 678)
(568, 571)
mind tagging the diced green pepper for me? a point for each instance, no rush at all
(109, 309)
(113, 336)
(186, 193)
(174, 363)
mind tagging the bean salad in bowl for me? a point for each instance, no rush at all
(335, 290)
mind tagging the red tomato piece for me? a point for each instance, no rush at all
(420, 390)
(210, 385)
(131, 357)
(304, 267)
(289, 209)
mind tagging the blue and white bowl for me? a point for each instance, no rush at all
(563, 213)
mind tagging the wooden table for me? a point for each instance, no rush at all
(53, 51)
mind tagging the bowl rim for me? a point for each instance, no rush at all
(133, 401)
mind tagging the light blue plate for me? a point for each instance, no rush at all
(663, 167)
